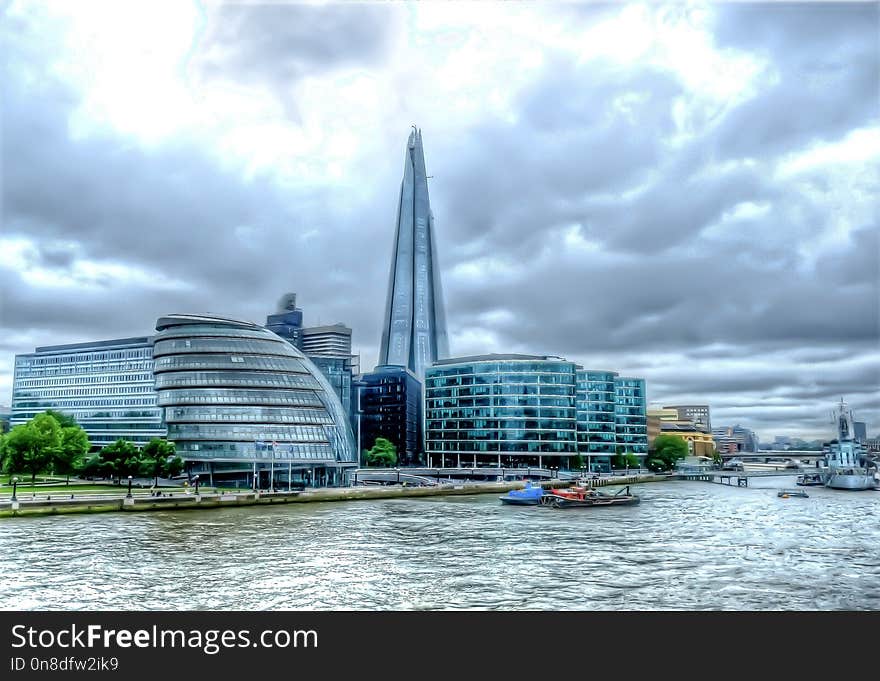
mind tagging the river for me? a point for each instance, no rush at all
(687, 546)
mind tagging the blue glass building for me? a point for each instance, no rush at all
(414, 328)
(107, 386)
(596, 417)
(501, 410)
(631, 415)
(242, 403)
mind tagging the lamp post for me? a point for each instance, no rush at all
(14, 486)
(128, 496)
(196, 482)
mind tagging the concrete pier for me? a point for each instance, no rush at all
(225, 500)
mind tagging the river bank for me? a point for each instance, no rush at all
(180, 502)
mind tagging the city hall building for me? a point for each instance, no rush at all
(243, 404)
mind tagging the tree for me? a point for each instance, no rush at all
(74, 446)
(64, 420)
(173, 467)
(716, 457)
(29, 447)
(383, 454)
(121, 458)
(576, 462)
(667, 450)
(157, 454)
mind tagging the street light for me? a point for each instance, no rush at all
(128, 496)
(14, 486)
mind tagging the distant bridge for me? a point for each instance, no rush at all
(415, 475)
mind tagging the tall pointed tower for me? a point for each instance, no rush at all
(414, 328)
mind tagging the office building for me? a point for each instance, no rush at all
(596, 417)
(287, 322)
(699, 414)
(501, 410)
(333, 340)
(243, 404)
(860, 430)
(733, 439)
(631, 422)
(666, 421)
(389, 404)
(107, 386)
(328, 347)
(414, 325)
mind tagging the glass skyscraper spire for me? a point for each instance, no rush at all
(414, 327)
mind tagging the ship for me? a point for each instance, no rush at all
(847, 462)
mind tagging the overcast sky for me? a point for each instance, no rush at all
(684, 192)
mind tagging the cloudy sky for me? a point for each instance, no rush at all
(686, 192)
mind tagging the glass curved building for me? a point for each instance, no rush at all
(500, 410)
(240, 402)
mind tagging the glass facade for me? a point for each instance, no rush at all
(631, 415)
(507, 408)
(414, 328)
(236, 395)
(597, 416)
(107, 386)
(389, 405)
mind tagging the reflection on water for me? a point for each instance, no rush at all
(688, 545)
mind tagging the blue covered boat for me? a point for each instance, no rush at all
(530, 495)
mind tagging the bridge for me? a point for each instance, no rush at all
(728, 477)
(765, 454)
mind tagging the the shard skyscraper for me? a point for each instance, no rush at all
(414, 328)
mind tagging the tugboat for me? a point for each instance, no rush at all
(528, 496)
(845, 470)
(582, 497)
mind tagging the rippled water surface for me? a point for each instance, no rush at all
(688, 545)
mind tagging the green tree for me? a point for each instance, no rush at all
(74, 446)
(91, 467)
(383, 454)
(157, 453)
(29, 447)
(667, 450)
(716, 457)
(64, 420)
(121, 458)
(576, 462)
(173, 467)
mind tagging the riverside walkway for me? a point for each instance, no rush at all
(58, 504)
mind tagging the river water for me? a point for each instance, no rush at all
(687, 546)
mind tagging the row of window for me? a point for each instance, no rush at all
(501, 412)
(267, 432)
(501, 379)
(83, 370)
(247, 415)
(504, 367)
(255, 346)
(503, 434)
(466, 424)
(248, 451)
(85, 380)
(238, 362)
(83, 357)
(294, 398)
(82, 403)
(234, 379)
(126, 389)
(438, 447)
